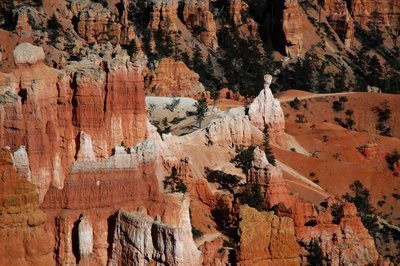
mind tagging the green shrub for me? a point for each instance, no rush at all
(300, 119)
(384, 115)
(174, 183)
(172, 106)
(316, 256)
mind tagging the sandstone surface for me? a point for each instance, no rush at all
(266, 239)
(107, 105)
(266, 112)
(23, 240)
(174, 78)
(139, 240)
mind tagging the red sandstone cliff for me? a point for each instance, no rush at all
(105, 99)
(23, 240)
(174, 78)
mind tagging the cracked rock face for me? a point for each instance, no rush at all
(139, 240)
(266, 239)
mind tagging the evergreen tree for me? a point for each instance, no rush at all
(201, 109)
(197, 61)
(362, 199)
(376, 38)
(7, 16)
(244, 158)
(164, 44)
(340, 80)
(321, 3)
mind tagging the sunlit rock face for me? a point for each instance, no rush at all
(139, 240)
(79, 113)
(266, 112)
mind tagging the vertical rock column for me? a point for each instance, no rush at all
(265, 111)
(85, 236)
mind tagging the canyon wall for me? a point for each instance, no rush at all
(46, 110)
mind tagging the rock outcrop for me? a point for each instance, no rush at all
(21, 163)
(231, 131)
(164, 20)
(266, 112)
(139, 240)
(266, 239)
(385, 13)
(23, 241)
(23, 28)
(336, 228)
(102, 97)
(200, 22)
(340, 19)
(94, 23)
(85, 236)
(270, 178)
(369, 150)
(292, 24)
(174, 78)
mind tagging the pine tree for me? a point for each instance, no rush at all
(362, 199)
(201, 109)
(197, 60)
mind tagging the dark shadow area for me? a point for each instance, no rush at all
(311, 223)
(111, 223)
(75, 241)
(23, 93)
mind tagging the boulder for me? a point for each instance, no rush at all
(26, 54)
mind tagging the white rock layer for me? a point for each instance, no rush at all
(265, 111)
(85, 152)
(21, 162)
(147, 241)
(85, 236)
